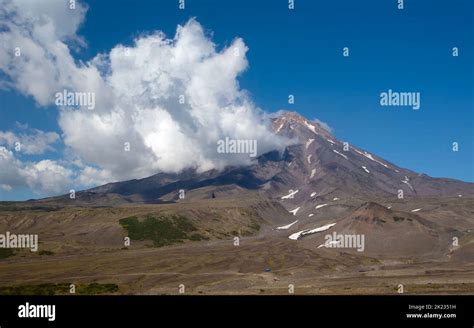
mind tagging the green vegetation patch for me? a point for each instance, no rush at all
(162, 230)
(254, 227)
(377, 220)
(6, 252)
(59, 289)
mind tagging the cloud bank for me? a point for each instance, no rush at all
(161, 104)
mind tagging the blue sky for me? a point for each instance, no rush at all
(299, 52)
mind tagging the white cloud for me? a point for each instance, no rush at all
(10, 169)
(45, 177)
(137, 95)
(90, 176)
(34, 142)
(6, 187)
(324, 125)
(42, 31)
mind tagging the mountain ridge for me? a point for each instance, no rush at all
(315, 160)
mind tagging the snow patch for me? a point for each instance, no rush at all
(406, 181)
(313, 172)
(416, 210)
(319, 206)
(305, 232)
(310, 215)
(279, 128)
(295, 211)
(311, 127)
(290, 195)
(285, 227)
(365, 169)
(339, 153)
(313, 194)
(369, 156)
(332, 242)
(335, 198)
(309, 142)
(308, 158)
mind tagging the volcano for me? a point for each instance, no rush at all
(248, 228)
(315, 163)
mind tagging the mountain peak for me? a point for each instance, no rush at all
(288, 121)
(372, 206)
(292, 115)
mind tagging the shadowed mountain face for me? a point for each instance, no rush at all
(315, 162)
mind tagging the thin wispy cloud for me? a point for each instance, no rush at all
(324, 125)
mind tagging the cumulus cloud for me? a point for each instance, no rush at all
(44, 177)
(161, 104)
(47, 176)
(174, 98)
(35, 40)
(10, 170)
(33, 142)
